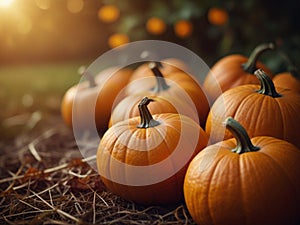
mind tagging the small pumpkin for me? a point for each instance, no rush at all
(289, 79)
(94, 98)
(261, 109)
(234, 70)
(128, 108)
(178, 85)
(144, 159)
(244, 181)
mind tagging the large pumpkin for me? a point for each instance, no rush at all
(234, 70)
(94, 99)
(178, 85)
(262, 110)
(243, 181)
(144, 159)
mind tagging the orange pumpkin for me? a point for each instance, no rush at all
(94, 99)
(128, 108)
(167, 66)
(176, 84)
(244, 181)
(234, 70)
(262, 110)
(144, 159)
(289, 80)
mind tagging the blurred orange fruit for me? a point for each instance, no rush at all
(117, 39)
(108, 13)
(155, 26)
(183, 28)
(217, 16)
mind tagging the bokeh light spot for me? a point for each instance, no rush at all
(75, 6)
(183, 28)
(6, 3)
(43, 4)
(155, 26)
(118, 39)
(108, 13)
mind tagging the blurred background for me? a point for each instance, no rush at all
(44, 42)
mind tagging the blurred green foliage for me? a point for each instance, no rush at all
(250, 23)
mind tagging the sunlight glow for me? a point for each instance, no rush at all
(6, 3)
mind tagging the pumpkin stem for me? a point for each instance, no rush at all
(91, 79)
(250, 65)
(160, 80)
(243, 142)
(146, 117)
(267, 85)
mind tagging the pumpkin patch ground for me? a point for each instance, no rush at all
(43, 179)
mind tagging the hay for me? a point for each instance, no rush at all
(44, 180)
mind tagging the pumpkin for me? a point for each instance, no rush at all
(289, 79)
(262, 110)
(94, 99)
(128, 108)
(234, 70)
(244, 181)
(178, 85)
(167, 66)
(144, 159)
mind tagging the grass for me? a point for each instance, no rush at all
(25, 89)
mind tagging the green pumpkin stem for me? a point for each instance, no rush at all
(147, 120)
(160, 80)
(250, 65)
(267, 85)
(243, 142)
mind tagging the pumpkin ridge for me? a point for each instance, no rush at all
(281, 169)
(240, 107)
(217, 164)
(284, 128)
(116, 142)
(240, 159)
(161, 134)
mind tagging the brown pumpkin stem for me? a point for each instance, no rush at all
(243, 142)
(250, 65)
(267, 85)
(147, 120)
(160, 80)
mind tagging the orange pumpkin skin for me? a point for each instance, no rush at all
(260, 114)
(81, 100)
(169, 65)
(128, 108)
(125, 145)
(222, 187)
(229, 72)
(181, 85)
(288, 81)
